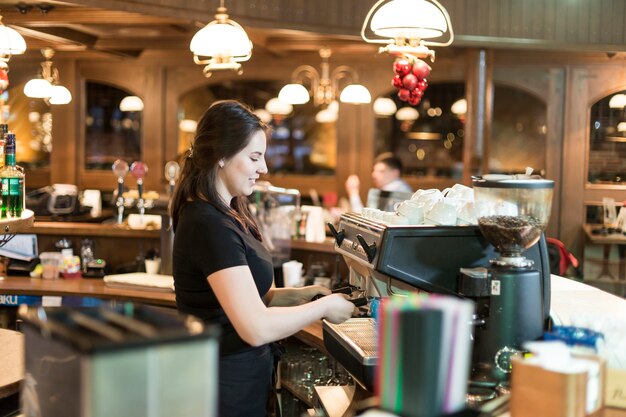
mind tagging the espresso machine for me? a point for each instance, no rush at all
(510, 295)
(388, 259)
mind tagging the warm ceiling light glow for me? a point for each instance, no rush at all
(38, 88)
(355, 94)
(618, 101)
(407, 114)
(459, 107)
(188, 126)
(60, 95)
(11, 42)
(46, 85)
(384, 106)
(131, 103)
(324, 85)
(404, 25)
(223, 43)
(263, 115)
(293, 94)
(277, 107)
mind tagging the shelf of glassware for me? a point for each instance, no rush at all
(9, 227)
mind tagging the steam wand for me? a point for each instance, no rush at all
(120, 169)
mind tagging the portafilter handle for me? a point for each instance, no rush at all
(339, 235)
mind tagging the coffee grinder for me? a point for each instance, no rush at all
(512, 213)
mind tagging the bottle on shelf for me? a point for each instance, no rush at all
(12, 179)
(4, 130)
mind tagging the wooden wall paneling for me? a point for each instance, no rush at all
(574, 160)
(555, 145)
(63, 158)
(129, 76)
(153, 128)
(547, 84)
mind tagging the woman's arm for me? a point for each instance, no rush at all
(258, 324)
(283, 297)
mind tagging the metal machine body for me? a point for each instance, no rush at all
(389, 259)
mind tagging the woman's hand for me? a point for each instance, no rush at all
(306, 294)
(338, 308)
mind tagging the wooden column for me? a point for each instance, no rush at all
(479, 95)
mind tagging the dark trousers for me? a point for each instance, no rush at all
(244, 383)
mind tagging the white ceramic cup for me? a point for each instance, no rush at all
(466, 215)
(412, 210)
(460, 192)
(292, 273)
(441, 214)
(427, 197)
(153, 265)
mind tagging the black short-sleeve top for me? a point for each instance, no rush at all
(207, 241)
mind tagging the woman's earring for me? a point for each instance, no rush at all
(221, 163)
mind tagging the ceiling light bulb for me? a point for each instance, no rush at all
(384, 106)
(131, 103)
(355, 94)
(278, 107)
(38, 88)
(11, 42)
(294, 94)
(60, 95)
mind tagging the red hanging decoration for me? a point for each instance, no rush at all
(410, 78)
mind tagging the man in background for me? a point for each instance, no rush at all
(386, 175)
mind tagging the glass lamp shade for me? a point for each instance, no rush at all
(131, 103)
(263, 115)
(294, 94)
(355, 94)
(326, 116)
(384, 106)
(11, 42)
(407, 114)
(222, 40)
(60, 95)
(412, 19)
(38, 88)
(618, 101)
(459, 107)
(188, 126)
(278, 107)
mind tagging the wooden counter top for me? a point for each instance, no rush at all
(91, 229)
(83, 288)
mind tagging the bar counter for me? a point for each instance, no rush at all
(570, 300)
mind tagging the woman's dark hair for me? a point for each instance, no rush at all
(223, 131)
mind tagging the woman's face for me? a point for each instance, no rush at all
(239, 173)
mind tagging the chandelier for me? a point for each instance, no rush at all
(46, 85)
(223, 43)
(324, 86)
(408, 27)
(11, 43)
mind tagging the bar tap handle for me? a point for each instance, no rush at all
(172, 171)
(339, 235)
(139, 170)
(120, 169)
(370, 250)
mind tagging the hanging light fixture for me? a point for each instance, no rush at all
(384, 106)
(324, 86)
(11, 43)
(46, 85)
(223, 43)
(131, 103)
(408, 26)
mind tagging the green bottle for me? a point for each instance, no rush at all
(12, 180)
(4, 129)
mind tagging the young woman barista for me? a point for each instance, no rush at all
(222, 272)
